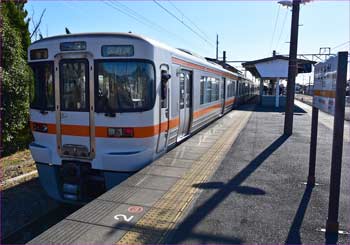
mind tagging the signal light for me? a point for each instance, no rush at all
(120, 132)
(40, 127)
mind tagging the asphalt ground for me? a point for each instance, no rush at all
(258, 194)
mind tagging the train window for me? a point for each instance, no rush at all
(231, 88)
(74, 85)
(124, 86)
(182, 91)
(215, 89)
(210, 88)
(202, 84)
(117, 50)
(39, 54)
(43, 91)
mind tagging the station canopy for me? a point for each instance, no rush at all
(275, 67)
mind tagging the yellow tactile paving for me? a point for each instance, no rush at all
(156, 224)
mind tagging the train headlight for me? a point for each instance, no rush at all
(40, 127)
(120, 132)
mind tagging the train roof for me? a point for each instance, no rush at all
(176, 51)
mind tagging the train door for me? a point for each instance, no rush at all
(223, 94)
(164, 108)
(185, 104)
(74, 106)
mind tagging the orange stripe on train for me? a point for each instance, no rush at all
(139, 132)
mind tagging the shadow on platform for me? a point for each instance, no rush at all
(185, 228)
(294, 231)
(259, 108)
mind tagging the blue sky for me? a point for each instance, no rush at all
(246, 29)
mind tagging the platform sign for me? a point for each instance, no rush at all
(325, 79)
(329, 95)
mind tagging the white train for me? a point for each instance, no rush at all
(107, 104)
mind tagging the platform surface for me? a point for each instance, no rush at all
(236, 181)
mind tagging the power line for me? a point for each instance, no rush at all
(192, 22)
(282, 30)
(183, 23)
(275, 27)
(124, 12)
(136, 16)
(340, 45)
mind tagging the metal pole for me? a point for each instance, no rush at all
(277, 101)
(292, 69)
(313, 147)
(217, 47)
(261, 90)
(332, 224)
(224, 57)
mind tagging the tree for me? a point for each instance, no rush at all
(17, 77)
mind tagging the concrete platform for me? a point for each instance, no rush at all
(237, 181)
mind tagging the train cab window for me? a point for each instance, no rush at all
(43, 92)
(124, 86)
(74, 85)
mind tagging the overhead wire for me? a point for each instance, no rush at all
(183, 23)
(341, 45)
(275, 27)
(139, 18)
(282, 29)
(191, 21)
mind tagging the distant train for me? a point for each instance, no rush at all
(107, 104)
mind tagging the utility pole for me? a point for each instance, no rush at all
(292, 69)
(217, 47)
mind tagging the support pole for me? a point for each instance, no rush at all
(332, 224)
(313, 148)
(261, 90)
(292, 69)
(277, 102)
(217, 47)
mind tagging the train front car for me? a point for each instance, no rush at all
(93, 113)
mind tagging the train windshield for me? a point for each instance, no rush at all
(43, 92)
(125, 86)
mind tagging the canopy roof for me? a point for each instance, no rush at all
(274, 67)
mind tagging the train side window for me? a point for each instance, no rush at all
(202, 84)
(182, 90)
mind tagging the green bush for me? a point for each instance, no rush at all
(17, 78)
